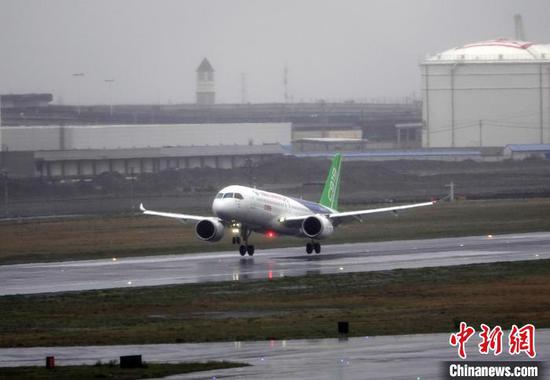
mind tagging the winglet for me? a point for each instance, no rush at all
(141, 207)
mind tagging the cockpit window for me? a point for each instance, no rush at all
(229, 195)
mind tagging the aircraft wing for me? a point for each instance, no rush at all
(359, 213)
(173, 215)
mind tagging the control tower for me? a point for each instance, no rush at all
(206, 93)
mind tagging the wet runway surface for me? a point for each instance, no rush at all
(272, 263)
(382, 357)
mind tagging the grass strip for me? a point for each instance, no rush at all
(425, 300)
(111, 371)
(107, 237)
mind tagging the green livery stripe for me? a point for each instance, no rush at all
(331, 191)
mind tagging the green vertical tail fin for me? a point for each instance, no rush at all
(331, 191)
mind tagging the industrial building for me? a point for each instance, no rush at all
(92, 162)
(87, 151)
(487, 94)
(373, 121)
(24, 101)
(529, 151)
(132, 136)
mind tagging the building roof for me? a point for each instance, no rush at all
(205, 66)
(528, 147)
(399, 154)
(409, 125)
(330, 140)
(189, 151)
(500, 49)
(27, 97)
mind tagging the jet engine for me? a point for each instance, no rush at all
(317, 226)
(209, 230)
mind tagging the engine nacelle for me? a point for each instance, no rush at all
(318, 227)
(209, 230)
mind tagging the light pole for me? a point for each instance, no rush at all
(132, 187)
(451, 195)
(249, 165)
(78, 75)
(5, 180)
(480, 133)
(110, 84)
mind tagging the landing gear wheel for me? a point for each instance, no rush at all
(250, 250)
(309, 248)
(238, 240)
(242, 250)
(233, 240)
(317, 247)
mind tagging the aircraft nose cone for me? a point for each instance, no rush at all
(216, 206)
(222, 208)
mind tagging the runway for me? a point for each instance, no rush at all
(380, 357)
(267, 264)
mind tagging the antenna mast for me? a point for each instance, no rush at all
(243, 88)
(518, 23)
(285, 82)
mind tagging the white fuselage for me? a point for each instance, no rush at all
(260, 210)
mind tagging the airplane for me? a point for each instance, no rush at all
(245, 210)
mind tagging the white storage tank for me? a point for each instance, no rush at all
(489, 93)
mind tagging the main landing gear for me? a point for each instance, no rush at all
(313, 246)
(244, 248)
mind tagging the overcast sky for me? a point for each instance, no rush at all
(334, 50)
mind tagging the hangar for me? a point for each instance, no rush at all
(86, 151)
(131, 136)
(490, 93)
(91, 162)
